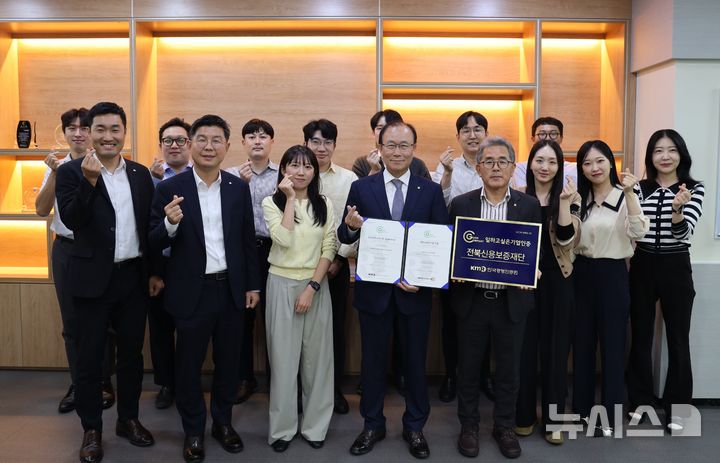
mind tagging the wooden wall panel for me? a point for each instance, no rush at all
(41, 327)
(58, 74)
(612, 89)
(9, 109)
(11, 345)
(609, 9)
(146, 96)
(269, 8)
(287, 84)
(49, 9)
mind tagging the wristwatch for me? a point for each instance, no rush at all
(679, 210)
(314, 285)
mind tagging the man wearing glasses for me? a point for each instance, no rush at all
(393, 194)
(175, 149)
(545, 128)
(487, 309)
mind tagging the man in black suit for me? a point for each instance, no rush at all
(211, 277)
(495, 310)
(393, 194)
(105, 200)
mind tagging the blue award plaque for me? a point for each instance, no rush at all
(495, 251)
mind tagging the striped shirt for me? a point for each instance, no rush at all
(491, 211)
(665, 237)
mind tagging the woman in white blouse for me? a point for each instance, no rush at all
(611, 220)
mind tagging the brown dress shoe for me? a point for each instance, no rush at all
(91, 450)
(135, 432)
(67, 404)
(507, 442)
(468, 441)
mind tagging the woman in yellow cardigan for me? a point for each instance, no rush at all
(298, 316)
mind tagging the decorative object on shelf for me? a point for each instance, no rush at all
(60, 143)
(24, 134)
(29, 197)
(34, 133)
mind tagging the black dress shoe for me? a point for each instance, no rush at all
(487, 385)
(246, 388)
(135, 432)
(447, 390)
(193, 449)
(67, 403)
(417, 444)
(91, 450)
(316, 444)
(366, 440)
(108, 394)
(164, 398)
(228, 437)
(341, 404)
(280, 445)
(469, 441)
(507, 441)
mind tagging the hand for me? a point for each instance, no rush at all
(628, 181)
(374, 160)
(156, 169)
(252, 298)
(91, 168)
(568, 190)
(286, 186)
(173, 212)
(52, 161)
(304, 300)
(335, 267)
(407, 287)
(245, 171)
(446, 159)
(681, 198)
(353, 219)
(156, 284)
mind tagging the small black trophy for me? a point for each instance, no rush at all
(24, 134)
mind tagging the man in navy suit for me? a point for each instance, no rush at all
(205, 216)
(393, 194)
(105, 200)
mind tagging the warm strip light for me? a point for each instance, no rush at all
(84, 43)
(33, 164)
(450, 43)
(185, 43)
(570, 43)
(451, 105)
(23, 226)
(23, 272)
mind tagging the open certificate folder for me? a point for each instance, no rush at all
(416, 253)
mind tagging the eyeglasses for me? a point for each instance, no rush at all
(545, 135)
(180, 141)
(403, 147)
(490, 163)
(479, 130)
(318, 142)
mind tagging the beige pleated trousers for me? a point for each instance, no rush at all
(301, 342)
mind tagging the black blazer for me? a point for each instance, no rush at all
(424, 204)
(185, 267)
(522, 208)
(89, 213)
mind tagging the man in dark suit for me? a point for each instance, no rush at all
(495, 310)
(105, 200)
(394, 194)
(211, 277)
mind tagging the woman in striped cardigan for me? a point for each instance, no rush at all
(660, 270)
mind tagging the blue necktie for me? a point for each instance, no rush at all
(398, 201)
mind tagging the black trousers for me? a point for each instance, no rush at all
(375, 332)
(216, 318)
(667, 277)
(339, 288)
(450, 340)
(489, 318)
(162, 342)
(247, 356)
(547, 336)
(123, 307)
(60, 259)
(602, 298)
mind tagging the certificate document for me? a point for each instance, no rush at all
(380, 255)
(427, 255)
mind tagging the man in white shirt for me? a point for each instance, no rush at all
(321, 137)
(544, 128)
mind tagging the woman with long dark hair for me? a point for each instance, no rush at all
(660, 270)
(611, 220)
(548, 327)
(298, 316)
